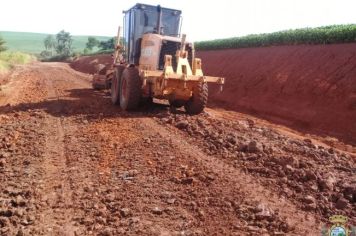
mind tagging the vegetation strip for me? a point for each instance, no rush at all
(320, 35)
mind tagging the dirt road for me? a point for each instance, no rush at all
(73, 164)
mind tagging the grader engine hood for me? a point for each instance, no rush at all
(154, 47)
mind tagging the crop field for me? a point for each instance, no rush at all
(321, 35)
(33, 42)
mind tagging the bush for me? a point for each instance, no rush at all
(4, 67)
(16, 58)
(10, 59)
(319, 35)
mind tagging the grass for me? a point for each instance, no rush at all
(320, 35)
(33, 42)
(9, 59)
(4, 67)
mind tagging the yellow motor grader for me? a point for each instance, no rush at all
(155, 61)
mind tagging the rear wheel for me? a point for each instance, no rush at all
(115, 85)
(198, 101)
(130, 94)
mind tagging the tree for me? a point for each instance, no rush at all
(92, 42)
(109, 44)
(64, 43)
(2, 45)
(50, 44)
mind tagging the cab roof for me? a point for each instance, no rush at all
(151, 7)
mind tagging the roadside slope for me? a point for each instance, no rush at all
(310, 88)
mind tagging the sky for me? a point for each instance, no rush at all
(202, 20)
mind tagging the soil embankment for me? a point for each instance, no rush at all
(308, 87)
(87, 64)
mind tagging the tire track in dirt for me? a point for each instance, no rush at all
(55, 217)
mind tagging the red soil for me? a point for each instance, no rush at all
(87, 64)
(308, 88)
(312, 88)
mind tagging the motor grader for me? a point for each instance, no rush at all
(155, 61)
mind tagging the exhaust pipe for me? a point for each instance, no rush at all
(159, 20)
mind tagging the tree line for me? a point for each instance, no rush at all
(102, 45)
(60, 45)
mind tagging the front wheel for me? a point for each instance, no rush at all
(130, 94)
(198, 101)
(115, 85)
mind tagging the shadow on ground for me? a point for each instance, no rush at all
(90, 104)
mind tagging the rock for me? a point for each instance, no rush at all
(147, 140)
(182, 124)
(328, 183)
(19, 201)
(263, 212)
(289, 169)
(242, 147)
(157, 211)
(310, 203)
(310, 207)
(125, 212)
(26, 162)
(106, 232)
(309, 199)
(134, 220)
(171, 200)
(4, 155)
(20, 233)
(2, 162)
(250, 122)
(4, 222)
(130, 174)
(350, 191)
(188, 180)
(169, 210)
(85, 121)
(307, 140)
(310, 175)
(285, 160)
(201, 213)
(231, 139)
(6, 213)
(341, 204)
(253, 228)
(19, 212)
(253, 146)
(331, 150)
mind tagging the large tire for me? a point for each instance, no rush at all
(176, 103)
(130, 88)
(115, 85)
(198, 101)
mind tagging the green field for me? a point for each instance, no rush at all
(319, 35)
(33, 42)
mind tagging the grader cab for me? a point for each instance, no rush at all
(155, 61)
